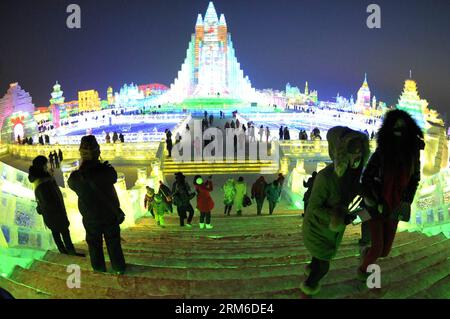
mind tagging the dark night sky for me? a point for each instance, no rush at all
(277, 41)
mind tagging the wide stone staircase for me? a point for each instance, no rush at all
(242, 257)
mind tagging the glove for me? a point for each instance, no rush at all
(349, 218)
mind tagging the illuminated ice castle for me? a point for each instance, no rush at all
(211, 69)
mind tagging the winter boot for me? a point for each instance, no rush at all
(309, 291)
(307, 270)
(362, 275)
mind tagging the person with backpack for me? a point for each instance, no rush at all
(50, 204)
(327, 213)
(390, 182)
(259, 193)
(241, 191)
(205, 203)
(99, 205)
(182, 196)
(229, 193)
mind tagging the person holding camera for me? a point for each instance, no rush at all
(99, 205)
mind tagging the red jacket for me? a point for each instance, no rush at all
(204, 201)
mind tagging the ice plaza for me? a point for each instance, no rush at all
(245, 254)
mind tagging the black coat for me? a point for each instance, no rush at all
(97, 205)
(182, 194)
(50, 203)
(372, 183)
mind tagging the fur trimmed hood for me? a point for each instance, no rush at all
(339, 142)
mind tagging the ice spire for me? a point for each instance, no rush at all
(199, 20)
(211, 14)
(222, 20)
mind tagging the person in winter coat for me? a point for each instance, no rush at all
(390, 182)
(205, 203)
(160, 208)
(60, 155)
(267, 134)
(273, 193)
(280, 180)
(52, 161)
(108, 138)
(229, 193)
(182, 195)
(308, 185)
(169, 143)
(261, 133)
(327, 215)
(259, 193)
(99, 205)
(241, 191)
(149, 200)
(167, 196)
(50, 204)
(56, 159)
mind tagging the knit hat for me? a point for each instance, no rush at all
(89, 148)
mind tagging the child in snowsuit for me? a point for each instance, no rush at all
(149, 200)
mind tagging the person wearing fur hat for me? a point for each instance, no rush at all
(182, 195)
(327, 215)
(99, 205)
(205, 202)
(390, 182)
(149, 200)
(50, 204)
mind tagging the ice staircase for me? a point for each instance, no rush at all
(171, 166)
(242, 257)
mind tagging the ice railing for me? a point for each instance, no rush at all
(21, 226)
(109, 151)
(93, 120)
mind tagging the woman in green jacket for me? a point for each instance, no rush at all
(327, 213)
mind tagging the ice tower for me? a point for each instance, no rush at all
(211, 69)
(363, 100)
(411, 102)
